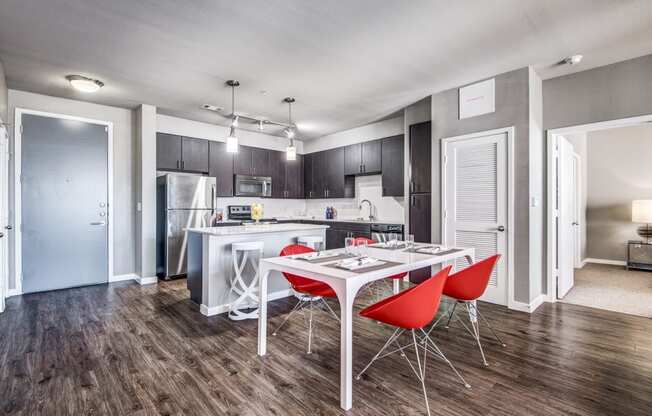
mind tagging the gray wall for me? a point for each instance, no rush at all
(512, 109)
(611, 92)
(124, 183)
(618, 173)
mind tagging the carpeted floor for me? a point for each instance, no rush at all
(612, 288)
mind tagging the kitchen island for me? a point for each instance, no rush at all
(210, 263)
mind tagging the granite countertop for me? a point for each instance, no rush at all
(255, 229)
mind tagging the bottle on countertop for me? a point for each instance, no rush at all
(328, 213)
(333, 213)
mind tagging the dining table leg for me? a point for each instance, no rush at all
(346, 292)
(262, 310)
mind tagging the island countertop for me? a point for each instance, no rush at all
(255, 229)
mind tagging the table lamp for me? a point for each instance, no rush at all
(642, 213)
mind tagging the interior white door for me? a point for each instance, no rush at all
(577, 210)
(475, 203)
(567, 212)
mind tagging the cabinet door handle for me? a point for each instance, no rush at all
(413, 200)
(411, 186)
(364, 168)
(183, 164)
(360, 170)
(178, 165)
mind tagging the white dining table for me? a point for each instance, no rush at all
(346, 285)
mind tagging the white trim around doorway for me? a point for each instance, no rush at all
(551, 136)
(510, 131)
(18, 290)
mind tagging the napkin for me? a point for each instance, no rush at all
(318, 255)
(429, 250)
(357, 263)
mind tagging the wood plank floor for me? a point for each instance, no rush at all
(124, 349)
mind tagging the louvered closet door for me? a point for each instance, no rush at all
(475, 205)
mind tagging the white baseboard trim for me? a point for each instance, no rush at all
(216, 310)
(528, 307)
(12, 292)
(606, 261)
(147, 280)
(123, 277)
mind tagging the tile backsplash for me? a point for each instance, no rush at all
(386, 209)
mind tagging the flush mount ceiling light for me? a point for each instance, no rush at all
(573, 59)
(84, 84)
(291, 150)
(232, 140)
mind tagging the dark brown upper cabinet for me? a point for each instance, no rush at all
(168, 151)
(393, 166)
(293, 178)
(420, 157)
(308, 186)
(194, 155)
(363, 158)
(260, 165)
(277, 162)
(242, 161)
(220, 166)
(177, 153)
(334, 169)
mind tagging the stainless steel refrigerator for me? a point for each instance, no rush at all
(183, 201)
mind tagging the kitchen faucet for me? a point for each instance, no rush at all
(371, 209)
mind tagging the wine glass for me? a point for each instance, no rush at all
(393, 239)
(409, 241)
(349, 244)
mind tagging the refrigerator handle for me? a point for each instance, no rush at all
(213, 199)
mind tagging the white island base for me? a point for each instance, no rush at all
(210, 263)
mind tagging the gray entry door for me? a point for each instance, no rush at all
(64, 200)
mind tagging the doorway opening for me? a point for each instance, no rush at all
(596, 257)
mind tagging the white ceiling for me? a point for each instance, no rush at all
(346, 62)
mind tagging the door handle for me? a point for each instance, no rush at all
(411, 186)
(8, 227)
(178, 164)
(500, 228)
(575, 223)
(183, 164)
(360, 170)
(2, 235)
(364, 168)
(101, 223)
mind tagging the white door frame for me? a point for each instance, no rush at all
(511, 302)
(4, 212)
(551, 292)
(18, 261)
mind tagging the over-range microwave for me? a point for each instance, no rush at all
(260, 186)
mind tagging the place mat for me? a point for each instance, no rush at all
(326, 259)
(400, 246)
(371, 268)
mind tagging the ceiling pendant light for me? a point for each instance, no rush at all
(232, 139)
(291, 150)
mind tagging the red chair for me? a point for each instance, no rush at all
(465, 287)
(308, 291)
(412, 310)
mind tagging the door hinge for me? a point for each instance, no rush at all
(21, 129)
(106, 129)
(445, 159)
(445, 214)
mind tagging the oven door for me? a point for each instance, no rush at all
(253, 186)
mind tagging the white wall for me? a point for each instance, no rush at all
(190, 128)
(124, 183)
(368, 132)
(146, 194)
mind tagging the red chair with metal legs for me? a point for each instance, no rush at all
(412, 310)
(465, 287)
(309, 292)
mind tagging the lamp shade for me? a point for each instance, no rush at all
(642, 211)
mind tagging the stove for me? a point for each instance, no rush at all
(242, 213)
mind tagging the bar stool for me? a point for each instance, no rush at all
(315, 242)
(247, 292)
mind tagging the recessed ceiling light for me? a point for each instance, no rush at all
(573, 59)
(84, 84)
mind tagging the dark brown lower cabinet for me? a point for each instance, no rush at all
(420, 227)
